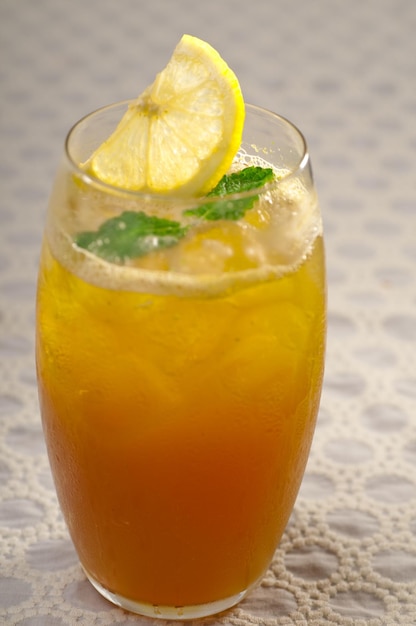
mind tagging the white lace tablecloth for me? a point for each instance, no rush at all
(345, 72)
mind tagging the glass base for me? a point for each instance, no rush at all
(168, 612)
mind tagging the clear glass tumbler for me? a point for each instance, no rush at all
(179, 388)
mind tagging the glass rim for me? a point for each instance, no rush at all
(89, 179)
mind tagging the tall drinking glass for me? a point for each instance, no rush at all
(179, 389)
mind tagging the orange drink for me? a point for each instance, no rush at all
(179, 387)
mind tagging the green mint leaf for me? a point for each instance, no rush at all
(223, 209)
(130, 235)
(238, 182)
(244, 180)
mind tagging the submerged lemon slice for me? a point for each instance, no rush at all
(182, 133)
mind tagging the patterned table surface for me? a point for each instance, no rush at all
(345, 72)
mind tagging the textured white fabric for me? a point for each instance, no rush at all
(345, 73)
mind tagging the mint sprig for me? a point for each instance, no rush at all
(246, 179)
(132, 235)
(236, 183)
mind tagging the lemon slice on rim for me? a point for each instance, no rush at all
(182, 132)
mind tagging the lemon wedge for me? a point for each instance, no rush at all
(182, 132)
